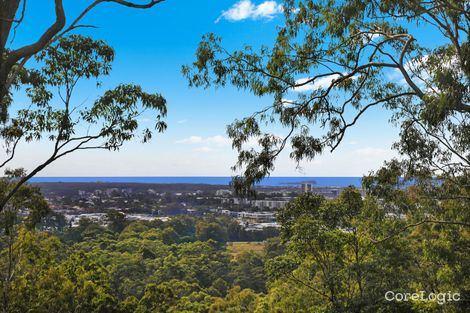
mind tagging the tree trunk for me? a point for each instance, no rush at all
(8, 10)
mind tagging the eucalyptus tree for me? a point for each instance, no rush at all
(52, 113)
(332, 62)
(59, 62)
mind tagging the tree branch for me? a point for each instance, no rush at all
(12, 153)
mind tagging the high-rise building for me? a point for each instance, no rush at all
(307, 187)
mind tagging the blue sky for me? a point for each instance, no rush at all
(151, 45)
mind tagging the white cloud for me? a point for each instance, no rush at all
(421, 75)
(191, 140)
(253, 142)
(416, 69)
(245, 9)
(323, 82)
(218, 140)
(374, 36)
(370, 37)
(203, 149)
(182, 121)
(286, 103)
(372, 152)
(267, 9)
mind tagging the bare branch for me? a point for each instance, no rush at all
(12, 155)
(32, 49)
(74, 24)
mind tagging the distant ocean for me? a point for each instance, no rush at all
(210, 180)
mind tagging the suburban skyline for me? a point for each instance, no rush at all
(150, 49)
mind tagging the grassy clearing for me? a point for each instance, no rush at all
(237, 247)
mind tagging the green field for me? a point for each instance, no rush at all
(237, 247)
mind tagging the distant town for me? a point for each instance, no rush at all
(145, 201)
